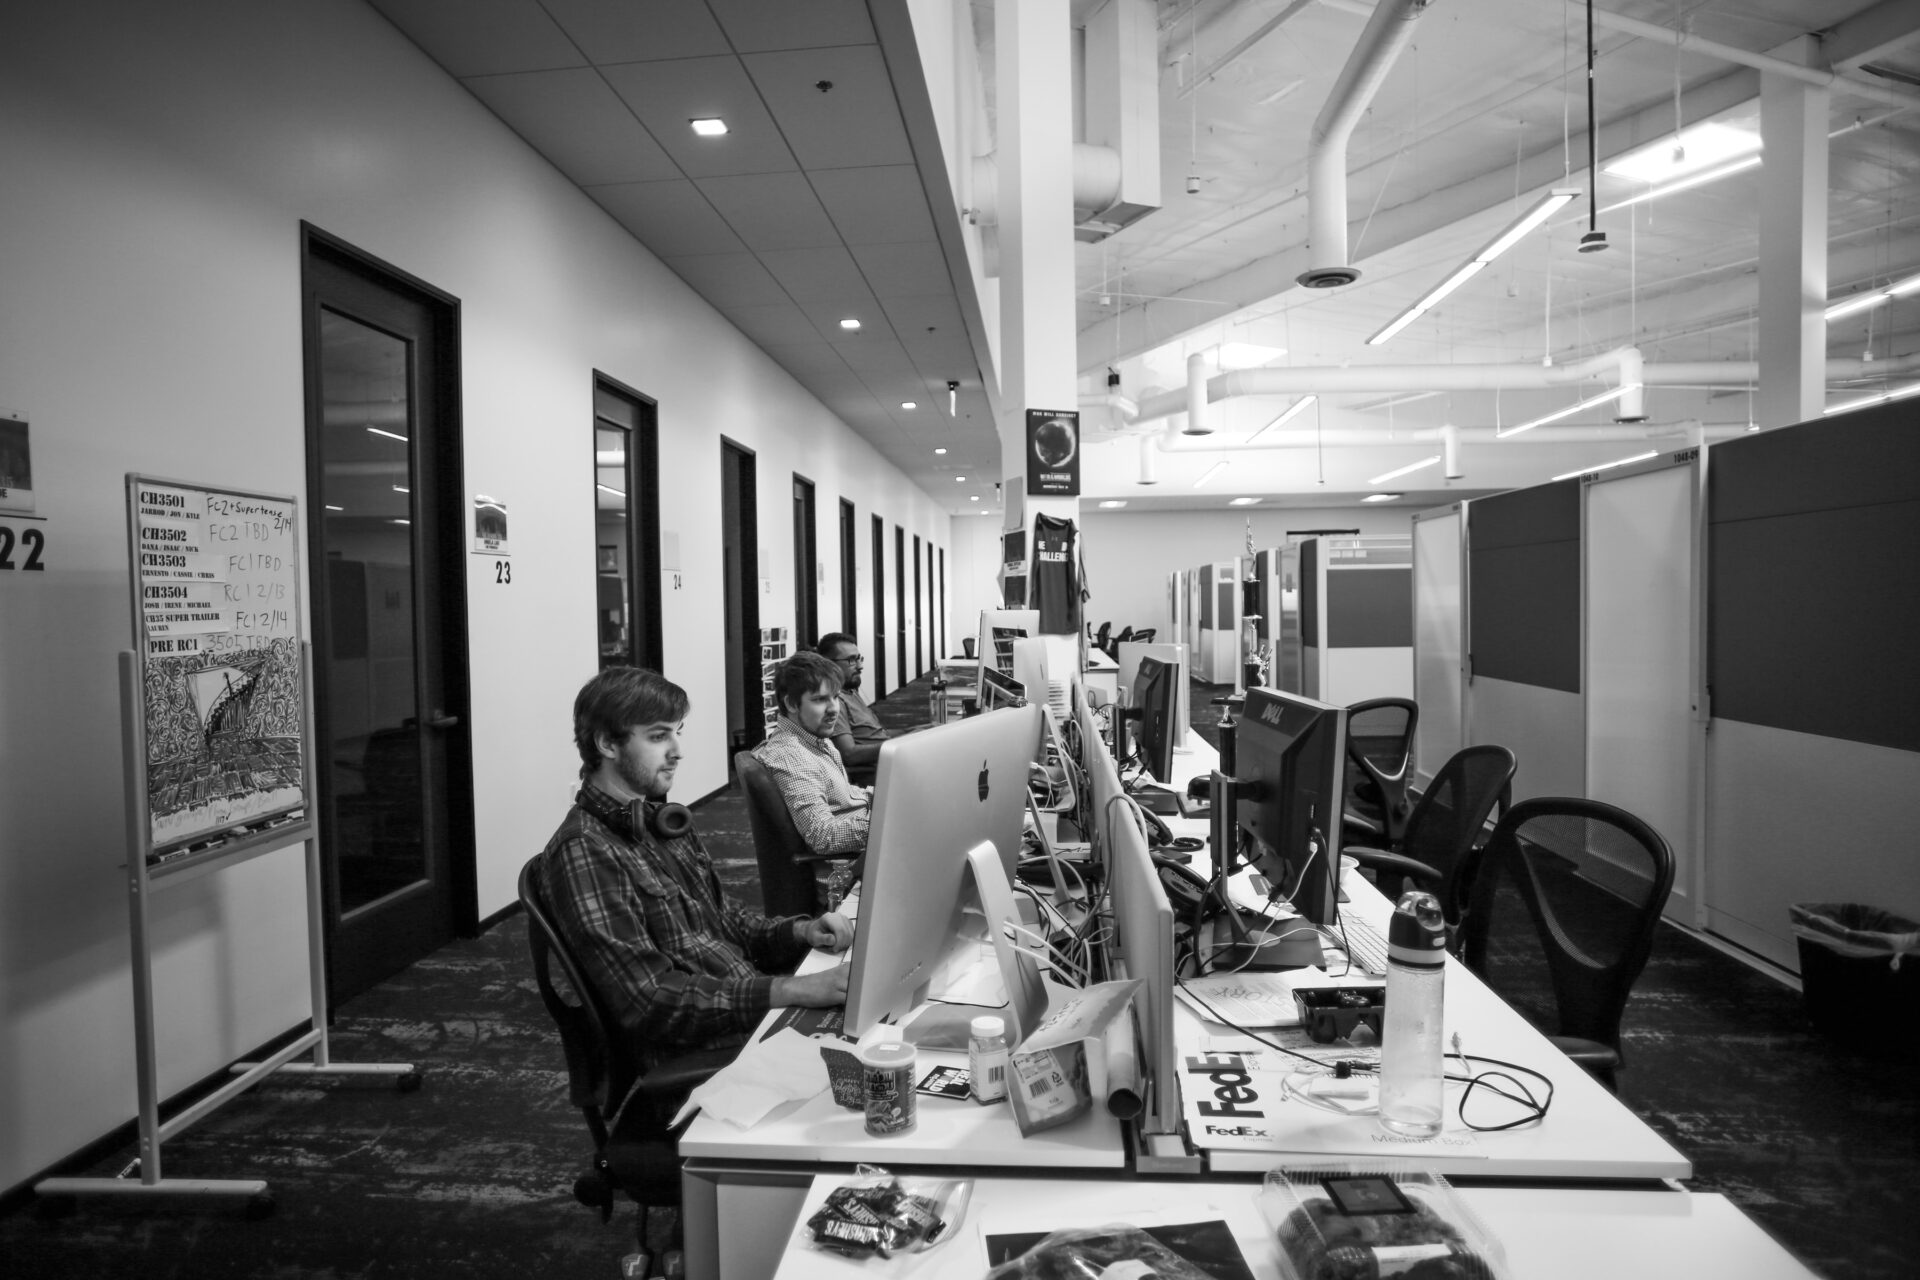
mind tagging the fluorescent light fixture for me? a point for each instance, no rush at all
(1211, 472)
(388, 434)
(1700, 179)
(1278, 94)
(850, 324)
(1568, 412)
(941, 450)
(1113, 504)
(331, 507)
(1545, 208)
(400, 488)
(607, 488)
(1608, 466)
(1243, 502)
(1873, 297)
(1287, 414)
(909, 404)
(399, 522)
(1706, 145)
(1381, 497)
(708, 126)
(1878, 397)
(1407, 470)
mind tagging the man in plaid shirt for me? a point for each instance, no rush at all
(679, 967)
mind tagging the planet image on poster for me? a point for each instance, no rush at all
(1054, 443)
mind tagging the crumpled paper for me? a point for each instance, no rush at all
(785, 1067)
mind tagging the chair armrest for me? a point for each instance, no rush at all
(1362, 825)
(1397, 863)
(676, 1077)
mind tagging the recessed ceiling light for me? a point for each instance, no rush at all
(849, 324)
(1381, 497)
(1243, 502)
(974, 498)
(959, 479)
(941, 449)
(1113, 503)
(909, 404)
(708, 126)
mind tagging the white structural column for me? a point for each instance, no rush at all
(1033, 74)
(1793, 246)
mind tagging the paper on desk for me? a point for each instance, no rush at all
(1250, 999)
(784, 1067)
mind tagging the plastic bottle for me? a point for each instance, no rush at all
(1411, 1041)
(987, 1059)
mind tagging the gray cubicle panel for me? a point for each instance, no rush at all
(1439, 636)
(1523, 634)
(1813, 601)
(1356, 618)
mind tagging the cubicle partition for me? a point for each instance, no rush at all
(1356, 619)
(1439, 637)
(1217, 659)
(1813, 595)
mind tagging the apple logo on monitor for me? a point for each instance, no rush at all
(983, 782)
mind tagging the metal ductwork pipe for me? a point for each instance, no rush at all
(1387, 33)
(1449, 437)
(1096, 184)
(1197, 396)
(1149, 465)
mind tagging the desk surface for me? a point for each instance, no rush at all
(1568, 1234)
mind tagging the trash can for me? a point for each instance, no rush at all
(1859, 975)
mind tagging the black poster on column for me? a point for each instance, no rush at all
(1053, 452)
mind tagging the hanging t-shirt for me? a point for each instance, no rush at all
(1054, 584)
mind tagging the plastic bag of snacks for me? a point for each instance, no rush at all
(874, 1212)
(1377, 1220)
(1082, 1253)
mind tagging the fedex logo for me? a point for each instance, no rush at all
(1233, 1094)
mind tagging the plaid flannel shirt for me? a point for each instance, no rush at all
(679, 968)
(830, 811)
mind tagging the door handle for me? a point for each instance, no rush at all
(441, 720)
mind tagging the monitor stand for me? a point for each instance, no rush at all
(1238, 941)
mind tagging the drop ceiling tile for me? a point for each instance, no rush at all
(823, 274)
(918, 314)
(572, 118)
(755, 25)
(826, 314)
(875, 353)
(659, 29)
(884, 204)
(666, 95)
(772, 210)
(903, 270)
(729, 279)
(671, 218)
(808, 358)
(483, 37)
(854, 123)
(776, 324)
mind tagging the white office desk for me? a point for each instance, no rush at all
(1564, 1233)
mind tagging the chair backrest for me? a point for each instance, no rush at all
(1449, 818)
(1380, 747)
(599, 1072)
(787, 884)
(1143, 636)
(1103, 636)
(1565, 901)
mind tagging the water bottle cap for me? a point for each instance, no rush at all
(1418, 930)
(988, 1027)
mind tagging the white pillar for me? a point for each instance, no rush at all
(1033, 75)
(1793, 246)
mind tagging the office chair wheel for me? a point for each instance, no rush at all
(594, 1191)
(410, 1082)
(261, 1207)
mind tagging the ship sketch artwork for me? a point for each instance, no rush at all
(224, 738)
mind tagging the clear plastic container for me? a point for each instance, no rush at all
(1369, 1220)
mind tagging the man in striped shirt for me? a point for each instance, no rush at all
(635, 895)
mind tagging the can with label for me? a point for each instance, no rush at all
(987, 1058)
(889, 1070)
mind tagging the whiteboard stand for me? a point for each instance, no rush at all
(143, 881)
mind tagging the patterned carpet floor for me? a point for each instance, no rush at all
(472, 1175)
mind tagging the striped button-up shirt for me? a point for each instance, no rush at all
(678, 967)
(830, 811)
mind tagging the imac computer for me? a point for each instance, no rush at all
(1290, 756)
(998, 691)
(938, 795)
(999, 628)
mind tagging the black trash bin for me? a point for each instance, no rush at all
(1859, 974)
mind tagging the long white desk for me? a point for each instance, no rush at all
(1568, 1234)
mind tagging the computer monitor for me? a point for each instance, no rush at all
(1130, 654)
(999, 628)
(1156, 698)
(997, 691)
(937, 795)
(1290, 755)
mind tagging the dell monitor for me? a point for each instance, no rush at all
(1155, 696)
(1290, 756)
(938, 794)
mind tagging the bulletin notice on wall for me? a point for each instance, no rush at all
(217, 633)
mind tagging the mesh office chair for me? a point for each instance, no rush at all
(788, 883)
(1436, 849)
(1380, 751)
(626, 1112)
(1564, 905)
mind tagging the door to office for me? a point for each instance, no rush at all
(740, 553)
(879, 652)
(385, 524)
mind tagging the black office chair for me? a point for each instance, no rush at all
(1144, 636)
(1103, 639)
(1565, 901)
(626, 1111)
(789, 884)
(1380, 760)
(1437, 842)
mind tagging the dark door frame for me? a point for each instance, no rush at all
(879, 607)
(940, 614)
(806, 561)
(900, 599)
(919, 616)
(849, 570)
(643, 526)
(742, 591)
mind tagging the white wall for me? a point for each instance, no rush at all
(1130, 554)
(159, 160)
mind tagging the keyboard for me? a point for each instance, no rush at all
(1364, 945)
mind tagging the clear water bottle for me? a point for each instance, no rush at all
(1411, 1065)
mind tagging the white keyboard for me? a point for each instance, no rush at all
(1364, 945)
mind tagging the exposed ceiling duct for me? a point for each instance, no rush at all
(1387, 32)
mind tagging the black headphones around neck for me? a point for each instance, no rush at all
(662, 818)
